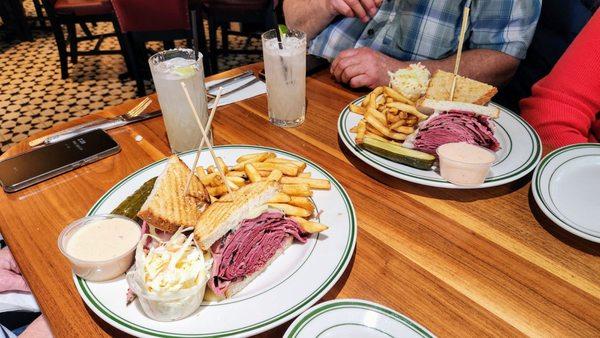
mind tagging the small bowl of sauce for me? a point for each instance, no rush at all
(100, 247)
(465, 164)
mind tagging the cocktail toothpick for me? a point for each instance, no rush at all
(461, 40)
(205, 139)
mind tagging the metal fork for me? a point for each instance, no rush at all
(132, 113)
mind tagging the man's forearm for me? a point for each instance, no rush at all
(489, 66)
(309, 16)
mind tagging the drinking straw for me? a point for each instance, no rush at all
(204, 137)
(195, 34)
(277, 32)
(461, 40)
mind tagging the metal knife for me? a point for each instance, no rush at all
(104, 124)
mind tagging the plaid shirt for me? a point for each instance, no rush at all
(429, 30)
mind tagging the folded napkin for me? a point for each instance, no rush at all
(18, 301)
(246, 93)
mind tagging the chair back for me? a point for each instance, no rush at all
(240, 5)
(152, 15)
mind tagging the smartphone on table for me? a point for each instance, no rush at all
(40, 164)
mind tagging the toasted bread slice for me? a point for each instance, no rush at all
(467, 90)
(167, 208)
(436, 105)
(227, 213)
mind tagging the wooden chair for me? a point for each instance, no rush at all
(155, 20)
(249, 13)
(80, 12)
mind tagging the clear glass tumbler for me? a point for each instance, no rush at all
(169, 69)
(285, 72)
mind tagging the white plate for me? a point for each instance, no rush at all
(294, 282)
(566, 186)
(354, 318)
(520, 152)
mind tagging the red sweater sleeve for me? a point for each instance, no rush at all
(564, 105)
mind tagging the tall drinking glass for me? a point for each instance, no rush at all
(285, 72)
(169, 68)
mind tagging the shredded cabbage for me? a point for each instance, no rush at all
(411, 81)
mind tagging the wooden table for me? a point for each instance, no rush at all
(462, 263)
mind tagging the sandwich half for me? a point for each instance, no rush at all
(167, 208)
(466, 90)
(453, 121)
(244, 237)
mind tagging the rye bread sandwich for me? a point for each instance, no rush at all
(244, 237)
(452, 121)
(167, 208)
(466, 90)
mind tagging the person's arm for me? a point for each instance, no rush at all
(564, 104)
(312, 16)
(365, 67)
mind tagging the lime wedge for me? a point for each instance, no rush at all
(185, 71)
(282, 30)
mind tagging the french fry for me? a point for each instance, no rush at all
(232, 185)
(365, 102)
(238, 181)
(393, 110)
(211, 169)
(301, 165)
(389, 99)
(397, 96)
(222, 165)
(301, 202)
(286, 169)
(261, 157)
(378, 91)
(304, 175)
(200, 171)
(354, 129)
(398, 124)
(309, 226)
(264, 173)
(391, 118)
(407, 108)
(380, 127)
(380, 99)
(376, 114)
(296, 190)
(217, 180)
(207, 179)
(252, 173)
(217, 191)
(372, 130)
(362, 128)
(381, 138)
(357, 109)
(280, 198)
(275, 175)
(241, 174)
(290, 210)
(313, 183)
(397, 136)
(264, 156)
(404, 130)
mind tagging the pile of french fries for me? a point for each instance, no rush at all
(387, 115)
(296, 185)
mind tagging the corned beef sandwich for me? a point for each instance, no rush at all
(454, 122)
(244, 237)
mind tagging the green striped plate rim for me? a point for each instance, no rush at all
(314, 313)
(285, 315)
(548, 206)
(401, 171)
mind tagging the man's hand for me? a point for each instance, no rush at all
(363, 67)
(362, 9)
(10, 275)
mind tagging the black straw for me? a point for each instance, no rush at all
(195, 33)
(277, 32)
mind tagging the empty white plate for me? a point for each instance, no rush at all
(566, 186)
(354, 318)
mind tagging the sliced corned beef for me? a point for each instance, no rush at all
(448, 127)
(245, 251)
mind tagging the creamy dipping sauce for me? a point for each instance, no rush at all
(465, 164)
(103, 240)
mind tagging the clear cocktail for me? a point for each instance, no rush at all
(169, 68)
(285, 72)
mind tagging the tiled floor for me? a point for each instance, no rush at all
(33, 96)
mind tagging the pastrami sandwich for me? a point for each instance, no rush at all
(454, 122)
(244, 237)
